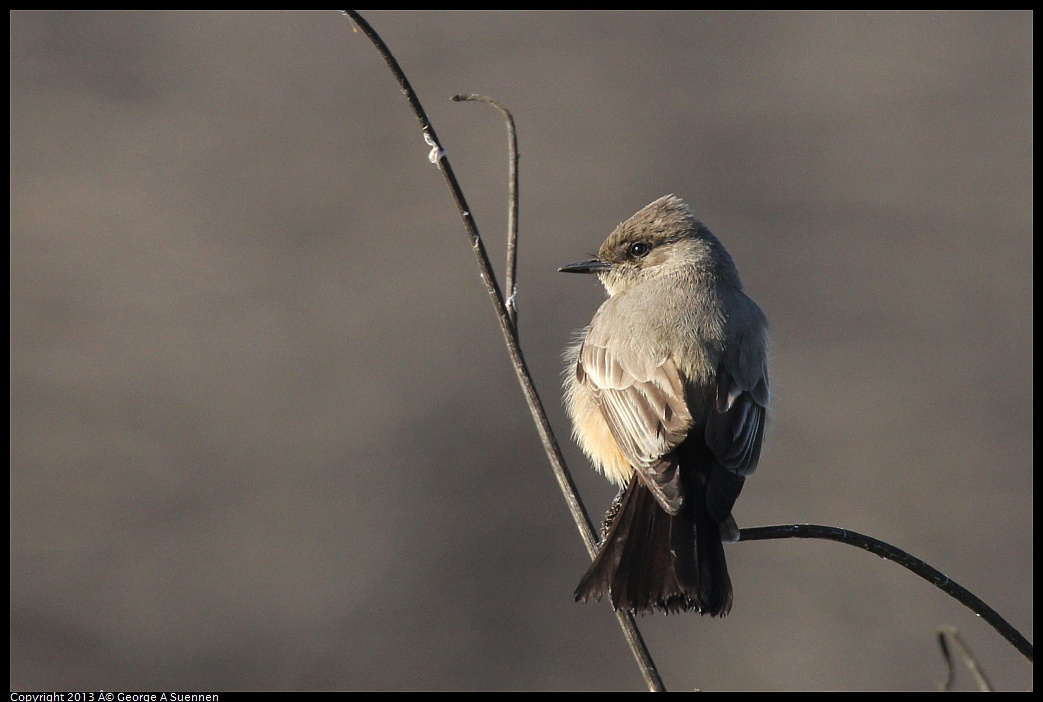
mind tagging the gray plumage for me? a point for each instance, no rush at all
(668, 383)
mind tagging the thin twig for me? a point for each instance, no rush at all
(950, 667)
(550, 444)
(512, 202)
(902, 558)
(947, 634)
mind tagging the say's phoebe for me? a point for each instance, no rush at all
(667, 391)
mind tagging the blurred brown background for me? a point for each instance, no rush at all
(264, 432)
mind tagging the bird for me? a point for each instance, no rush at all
(668, 391)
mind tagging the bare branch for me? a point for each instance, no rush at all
(947, 634)
(512, 202)
(550, 443)
(906, 560)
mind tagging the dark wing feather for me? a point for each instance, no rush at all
(734, 433)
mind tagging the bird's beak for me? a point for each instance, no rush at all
(591, 266)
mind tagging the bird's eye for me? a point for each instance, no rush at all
(639, 249)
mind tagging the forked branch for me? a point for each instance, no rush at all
(507, 327)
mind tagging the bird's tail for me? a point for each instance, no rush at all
(652, 561)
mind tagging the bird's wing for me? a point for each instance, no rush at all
(735, 426)
(643, 403)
